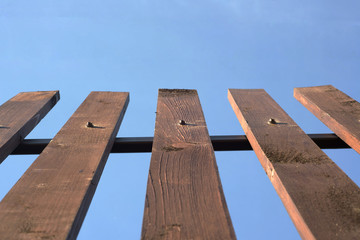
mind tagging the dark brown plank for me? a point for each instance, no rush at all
(20, 115)
(322, 201)
(335, 109)
(52, 197)
(184, 198)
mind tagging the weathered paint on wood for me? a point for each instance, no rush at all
(335, 109)
(322, 201)
(184, 198)
(20, 115)
(51, 199)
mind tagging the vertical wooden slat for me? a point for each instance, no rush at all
(335, 109)
(323, 202)
(20, 115)
(184, 198)
(52, 197)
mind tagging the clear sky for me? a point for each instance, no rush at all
(141, 46)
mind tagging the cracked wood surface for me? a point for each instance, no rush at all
(184, 198)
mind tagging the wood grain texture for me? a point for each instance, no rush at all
(335, 109)
(51, 199)
(184, 198)
(322, 201)
(20, 115)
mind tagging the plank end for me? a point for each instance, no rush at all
(176, 92)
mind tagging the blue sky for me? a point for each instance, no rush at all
(141, 46)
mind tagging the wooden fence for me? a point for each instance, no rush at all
(184, 198)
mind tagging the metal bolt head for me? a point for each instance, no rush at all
(271, 121)
(89, 125)
(182, 122)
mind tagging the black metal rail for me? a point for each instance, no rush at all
(144, 144)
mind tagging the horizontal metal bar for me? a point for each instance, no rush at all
(144, 144)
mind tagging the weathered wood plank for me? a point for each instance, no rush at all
(20, 115)
(184, 198)
(322, 201)
(51, 199)
(335, 109)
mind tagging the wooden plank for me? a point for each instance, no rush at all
(184, 198)
(20, 115)
(51, 199)
(322, 201)
(335, 109)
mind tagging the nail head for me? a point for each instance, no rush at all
(182, 122)
(271, 121)
(89, 125)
